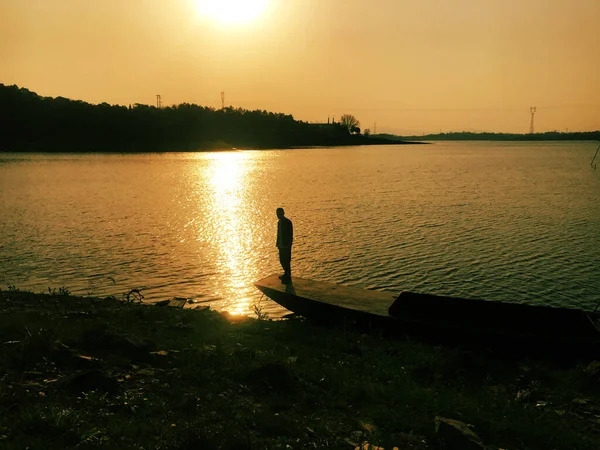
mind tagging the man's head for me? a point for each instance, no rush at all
(280, 212)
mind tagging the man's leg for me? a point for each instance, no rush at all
(288, 263)
(282, 261)
(285, 258)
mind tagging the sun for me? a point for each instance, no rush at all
(232, 11)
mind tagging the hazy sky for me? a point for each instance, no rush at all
(409, 65)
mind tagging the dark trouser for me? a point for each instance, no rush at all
(285, 258)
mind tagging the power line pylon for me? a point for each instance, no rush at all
(222, 99)
(532, 109)
(158, 101)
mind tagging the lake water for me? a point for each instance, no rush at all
(513, 221)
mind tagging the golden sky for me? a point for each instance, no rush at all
(411, 66)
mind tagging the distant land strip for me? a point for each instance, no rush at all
(34, 123)
(469, 136)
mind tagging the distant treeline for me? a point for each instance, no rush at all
(30, 122)
(468, 136)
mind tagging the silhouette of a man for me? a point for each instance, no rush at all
(285, 236)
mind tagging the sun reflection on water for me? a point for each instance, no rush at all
(231, 228)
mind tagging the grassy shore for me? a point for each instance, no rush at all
(89, 373)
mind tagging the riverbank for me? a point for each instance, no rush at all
(212, 146)
(108, 373)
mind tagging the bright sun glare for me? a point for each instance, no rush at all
(232, 11)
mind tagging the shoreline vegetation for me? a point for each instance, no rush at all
(109, 373)
(32, 123)
(45, 124)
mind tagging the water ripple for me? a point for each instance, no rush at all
(521, 224)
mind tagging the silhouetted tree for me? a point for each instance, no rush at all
(367, 132)
(349, 122)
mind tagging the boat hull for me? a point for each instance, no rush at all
(440, 320)
(328, 303)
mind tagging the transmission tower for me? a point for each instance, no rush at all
(158, 101)
(532, 109)
(222, 99)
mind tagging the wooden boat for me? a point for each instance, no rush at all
(175, 302)
(440, 319)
